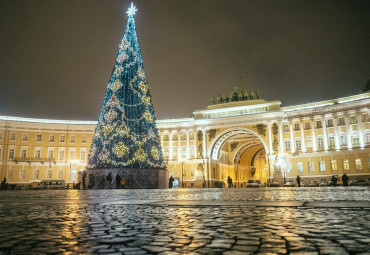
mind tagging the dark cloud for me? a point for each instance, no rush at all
(56, 56)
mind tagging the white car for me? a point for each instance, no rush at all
(253, 183)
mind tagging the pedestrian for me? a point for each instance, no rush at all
(118, 181)
(109, 181)
(170, 184)
(91, 181)
(345, 180)
(123, 183)
(84, 174)
(298, 181)
(333, 181)
(229, 182)
(3, 184)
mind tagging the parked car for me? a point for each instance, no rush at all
(274, 184)
(51, 184)
(360, 182)
(313, 183)
(289, 184)
(324, 183)
(253, 183)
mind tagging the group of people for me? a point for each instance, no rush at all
(334, 180)
(120, 182)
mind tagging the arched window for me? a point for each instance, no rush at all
(287, 144)
(166, 152)
(298, 143)
(320, 142)
(331, 141)
(174, 152)
(183, 151)
(192, 152)
(355, 138)
(309, 142)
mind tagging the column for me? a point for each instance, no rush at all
(359, 128)
(270, 138)
(281, 137)
(326, 146)
(314, 141)
(204, 143)
(303, 140)
(348, 129)
(179, 151)
(336, 132)
(171, 156)
(292, 142)
(195, 144)
(187, 144)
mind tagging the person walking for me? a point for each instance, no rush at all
(118, 181)
(345, 180)
(298, 181)
(109, 181)
(170, 184)
(84, 174)
(333, 181)
(123, 183)
(229, 182)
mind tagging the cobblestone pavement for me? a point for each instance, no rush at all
(323, 220)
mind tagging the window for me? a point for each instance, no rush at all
(367, 136)
(1, 153)
(192, 171)
(83, 155)
(287, 145)
(307, 125)
(310, 166)
(174, 152)
(174, 138)
(192, 152)
(166, 152)
(341, 122)
(318, 124)
(24, 138)
(11, 153)
(73, 138)
(12, 136)
(286, 128)
(183, 136)
(62, 138)
(343, 139)
(51, 154)
(289, 167)
(83, 139)
(37, 153)
(320, 142)
(36, 173)
(72, 155)
(166, 137)
(330, 123)
(300, 167)
(183, 152)
(298, 143)
(353, 119)
(24, 153)
(60, 173)
(365, 117)
(61, 155)
(355, 139)
(49, 174)
(358, 164)
(38, 138)
(51, 138)
(309, 142)
(345, 164)
(1, 135)
(331, 141)
(334, 166)
(296, 127)
(322, 166)
(22, 174)
(9, 174)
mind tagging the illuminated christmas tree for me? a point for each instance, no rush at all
(126, 136)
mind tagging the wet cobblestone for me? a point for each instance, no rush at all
(87, 222)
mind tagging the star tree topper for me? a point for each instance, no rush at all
(131, 11)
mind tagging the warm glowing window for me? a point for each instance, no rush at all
(334, 166)
(358, 164)
(345, 164)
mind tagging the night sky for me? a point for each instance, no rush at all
(56, 57)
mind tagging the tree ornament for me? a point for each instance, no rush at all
(143, 87)
(111, 115)
(155, 153)
(141, 74)
(145, 100)
(117, 84)
(148, 117)
(118, 71)
(107, 129)
(122, 57)
(122, 130)
(140, 155)
(120, 149)
(104, 155)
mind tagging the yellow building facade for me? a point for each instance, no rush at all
(252, 139)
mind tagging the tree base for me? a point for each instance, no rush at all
(134, 178)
